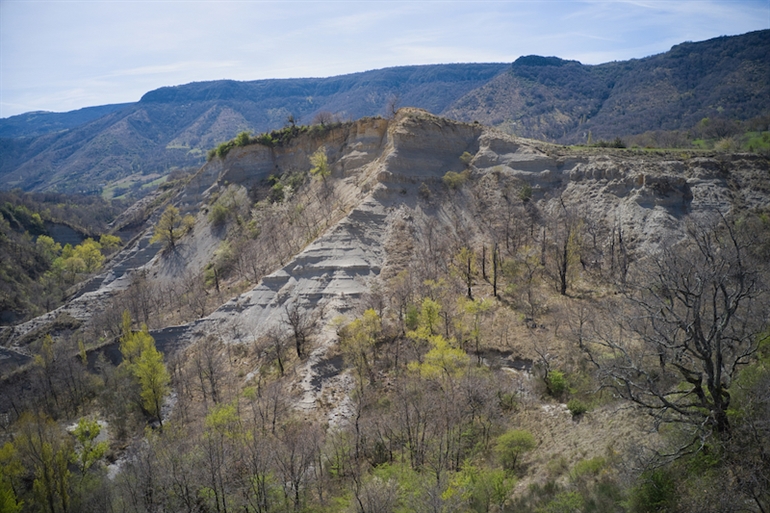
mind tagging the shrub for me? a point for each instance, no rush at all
(507, 401)
(615, 143)
(295, 180)
(455, 180)
(265, 139)
(556, 382)
(576, 407)
(224, 148)
(564, 502)
(726, 144)
(242, 139)
(276, 193)
(525, 193)
(589, 467)
(218, 214)
(109, 243)
(466, 158)
(656, 492)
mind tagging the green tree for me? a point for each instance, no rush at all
(223, 431)
(132, 344)
(320, 164)
(90, 252)
(428, 320)
(154, 381)
(171, 227)
(475, 310)
(358, 341)
(443, 360)
(47, 247)
(145, 363)
(48, 452)
(11, 471)
(86, 257)
(511, 445)
(110, 243)
(91, 451)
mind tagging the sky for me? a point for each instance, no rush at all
(62, 55)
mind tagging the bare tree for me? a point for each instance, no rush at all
(276, 344)
(394, 103)
(324, 117)
(210, 368)
(295, 452)
(690, 320)
(563, 248)
(268, 405)
(465, 263)
(301, 322)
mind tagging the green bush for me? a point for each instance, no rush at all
(615, 143)
(265, 139)
(218, 214)
(589, 467)
(242, 139)
(455, 180)
(295, 180)
(276, 193)
(564, 502)
(557, 384)
(525, 193)
(576, 407)
(656, 492)
(412, 317)
(507, 401)
(424, 191)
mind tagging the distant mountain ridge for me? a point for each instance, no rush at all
(42, 122)
(538, 97)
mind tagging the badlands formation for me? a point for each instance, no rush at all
(390, 208)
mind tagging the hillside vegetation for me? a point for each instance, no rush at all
(412, 314)
(47, 245)
(667, 97)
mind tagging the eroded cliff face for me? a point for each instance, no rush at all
(385, 207)
(392, 219)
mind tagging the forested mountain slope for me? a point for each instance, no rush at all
(553, 99)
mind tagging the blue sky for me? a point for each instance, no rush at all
(61, 55)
